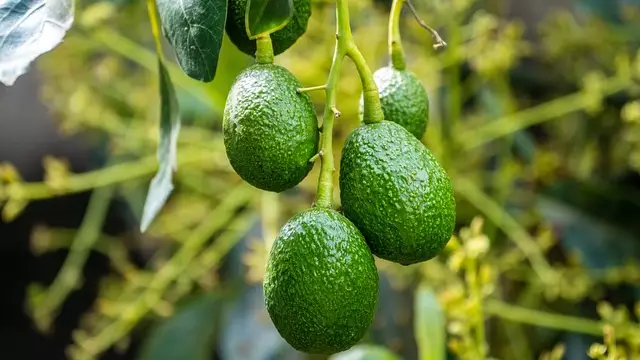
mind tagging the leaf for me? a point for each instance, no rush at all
(429, 325)
(28, 29)
(188, 334)
(267, 16)
(162, 184)
(195, 29)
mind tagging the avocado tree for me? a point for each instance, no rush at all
(396, 197)
(321, 284)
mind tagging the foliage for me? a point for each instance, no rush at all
(540, 136)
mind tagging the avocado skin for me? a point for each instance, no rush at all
(321, 282)
(281, 40)
(270, 130)
(393, 189)
(366, 352)
(404, 100)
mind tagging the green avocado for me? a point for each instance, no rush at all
(281, 40)
(321, 282)
(404, 99)
(394, 190)
(270, 130)
(366, 352)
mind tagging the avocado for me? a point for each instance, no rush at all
(270, 130)
(321, 282)
(395, 191)
(281, 40)
(366, 352)
(404, 99)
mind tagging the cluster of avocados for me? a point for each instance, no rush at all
(321, 282)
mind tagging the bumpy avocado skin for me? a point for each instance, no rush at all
(394, 190)
(270, 131)
(321, 283)
(281, 39)
(404, 99)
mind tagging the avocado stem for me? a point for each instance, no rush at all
(264, 50)
(396, 53)
(345, 46)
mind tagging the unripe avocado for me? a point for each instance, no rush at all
(281, 40)
(321, 282)
(393, 189)
(270, 130)
(366, 352)
(404, 100)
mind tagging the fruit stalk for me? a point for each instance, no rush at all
(264, 52)
(396, 52)
(345, 46)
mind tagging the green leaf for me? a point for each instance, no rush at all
(429, 325)
(267, 16)
(188, 334)
(195, 29)
(162, 184)
(28, 29)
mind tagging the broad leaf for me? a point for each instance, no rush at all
(429, 325)
(28, 29)
(195, 29)
(162, 184)
(267, 16)
(188, 334)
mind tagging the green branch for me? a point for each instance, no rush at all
(506, 223)
(98, 178)
(44, 307)
(345, 46)
(553, 109)
(175, 267)
(539, 318)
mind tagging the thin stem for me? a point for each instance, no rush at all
(311, 88)
(345, 46)
(550, 110)
(264, 52)
(70, 276)
(437, 39)
(545, 319)
(372, 112)
(152, 9)
(176, 266)
(99, 178)
(471, 275)
(396, 53)
(508, 224)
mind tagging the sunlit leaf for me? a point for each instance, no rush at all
(429, 325)
(162, 184)
(195, 29)
(188, 334)
(28, 29)
(267, 16)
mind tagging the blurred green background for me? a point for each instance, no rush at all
(535, 114)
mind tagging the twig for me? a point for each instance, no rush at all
(135, 311)
(439, 42)
(45, 306)
(508, 224)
